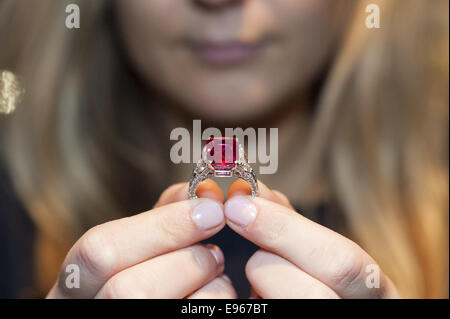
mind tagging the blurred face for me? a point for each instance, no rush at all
(228, 59)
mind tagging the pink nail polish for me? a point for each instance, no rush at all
(207, 214)
(218, 255)
(240, 210)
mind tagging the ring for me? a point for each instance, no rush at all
(223, 157)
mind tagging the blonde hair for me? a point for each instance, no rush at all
(380, 133)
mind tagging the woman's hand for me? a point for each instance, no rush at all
(154, 254)
(299, 258)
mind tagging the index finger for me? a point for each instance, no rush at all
(324, 254)
(111, 247)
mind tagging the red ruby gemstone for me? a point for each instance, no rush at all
(222, 152)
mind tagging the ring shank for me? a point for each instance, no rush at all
(203, 171)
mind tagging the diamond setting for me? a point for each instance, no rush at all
(223, 157)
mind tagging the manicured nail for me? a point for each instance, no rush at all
(240, 210)
(207, 214)
(218, 255)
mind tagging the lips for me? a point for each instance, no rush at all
(225, 52)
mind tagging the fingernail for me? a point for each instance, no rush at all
(240, 210)
(207, 214)
(218, 255)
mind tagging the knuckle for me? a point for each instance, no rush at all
(97, 252)
(347, 267)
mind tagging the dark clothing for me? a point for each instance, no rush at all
(16, 244)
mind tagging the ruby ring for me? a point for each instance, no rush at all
(222, 157)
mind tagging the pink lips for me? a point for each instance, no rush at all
(224, 53)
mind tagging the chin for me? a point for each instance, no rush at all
(230, 109)
(239, 102)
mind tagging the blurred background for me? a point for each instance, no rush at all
(86, 114)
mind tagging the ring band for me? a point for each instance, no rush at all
(222, 157)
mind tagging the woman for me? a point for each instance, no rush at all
(362, 116)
